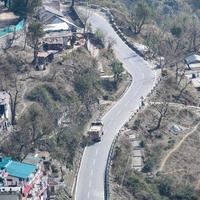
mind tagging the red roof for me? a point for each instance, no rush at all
(27, 189)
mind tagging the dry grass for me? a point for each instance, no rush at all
(183, 165)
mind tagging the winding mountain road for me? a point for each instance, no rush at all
(90, 181)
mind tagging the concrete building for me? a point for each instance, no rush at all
(53, 18)
(137, 163)
(137, 159)
(24, 178)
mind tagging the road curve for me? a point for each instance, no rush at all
(90, 181)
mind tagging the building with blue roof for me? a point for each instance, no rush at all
(20, 170)
(22, 178)
(4, 162)
(17, 169)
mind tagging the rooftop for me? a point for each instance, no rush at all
(53, 40)
(56, 27)
(52, 3)
(9, 197)
(68, 22)
(60, 34)
(193, 59)
(137, 162)
(7, 18)
(194, 66)
(20, 170)
(42, 54)
(137, 153)
(32, 159)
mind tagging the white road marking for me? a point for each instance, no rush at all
(138, 87)
(93, 162)
(92, 172)
(97, 151)
(90, 183)
(119, 112)
(88, 195)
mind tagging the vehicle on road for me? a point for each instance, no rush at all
(96, 131)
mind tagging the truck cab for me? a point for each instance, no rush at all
(96, 131)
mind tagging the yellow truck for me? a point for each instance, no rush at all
(96, 131)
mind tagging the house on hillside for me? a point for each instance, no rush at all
(24, 178)
(49, 15)
(193, 69)
(43, 58)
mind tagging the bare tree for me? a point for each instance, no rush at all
(161, 112)
(111, 42)
(184, 87)
(139, 15)
(14, 102)
(88, 13)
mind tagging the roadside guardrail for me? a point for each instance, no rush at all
(108, 13)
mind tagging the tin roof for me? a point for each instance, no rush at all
(193, 59)
(56, 27)
(31, 159)
(20, 170)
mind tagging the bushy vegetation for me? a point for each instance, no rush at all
(24, 7)
(145, 187)
(158, 189)
(97, 38)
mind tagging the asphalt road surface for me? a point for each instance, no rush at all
(90, 181)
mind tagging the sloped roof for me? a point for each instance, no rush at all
(68, 22)
(53, 11)
(193, 59)
(4, 162)
(46, 13)
(52, 3)
(56, 27)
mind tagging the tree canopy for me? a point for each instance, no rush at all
(25, 7)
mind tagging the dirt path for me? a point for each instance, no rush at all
(176, 147)
(176, 104)
(24, 102)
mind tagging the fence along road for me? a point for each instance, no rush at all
(90, 181)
